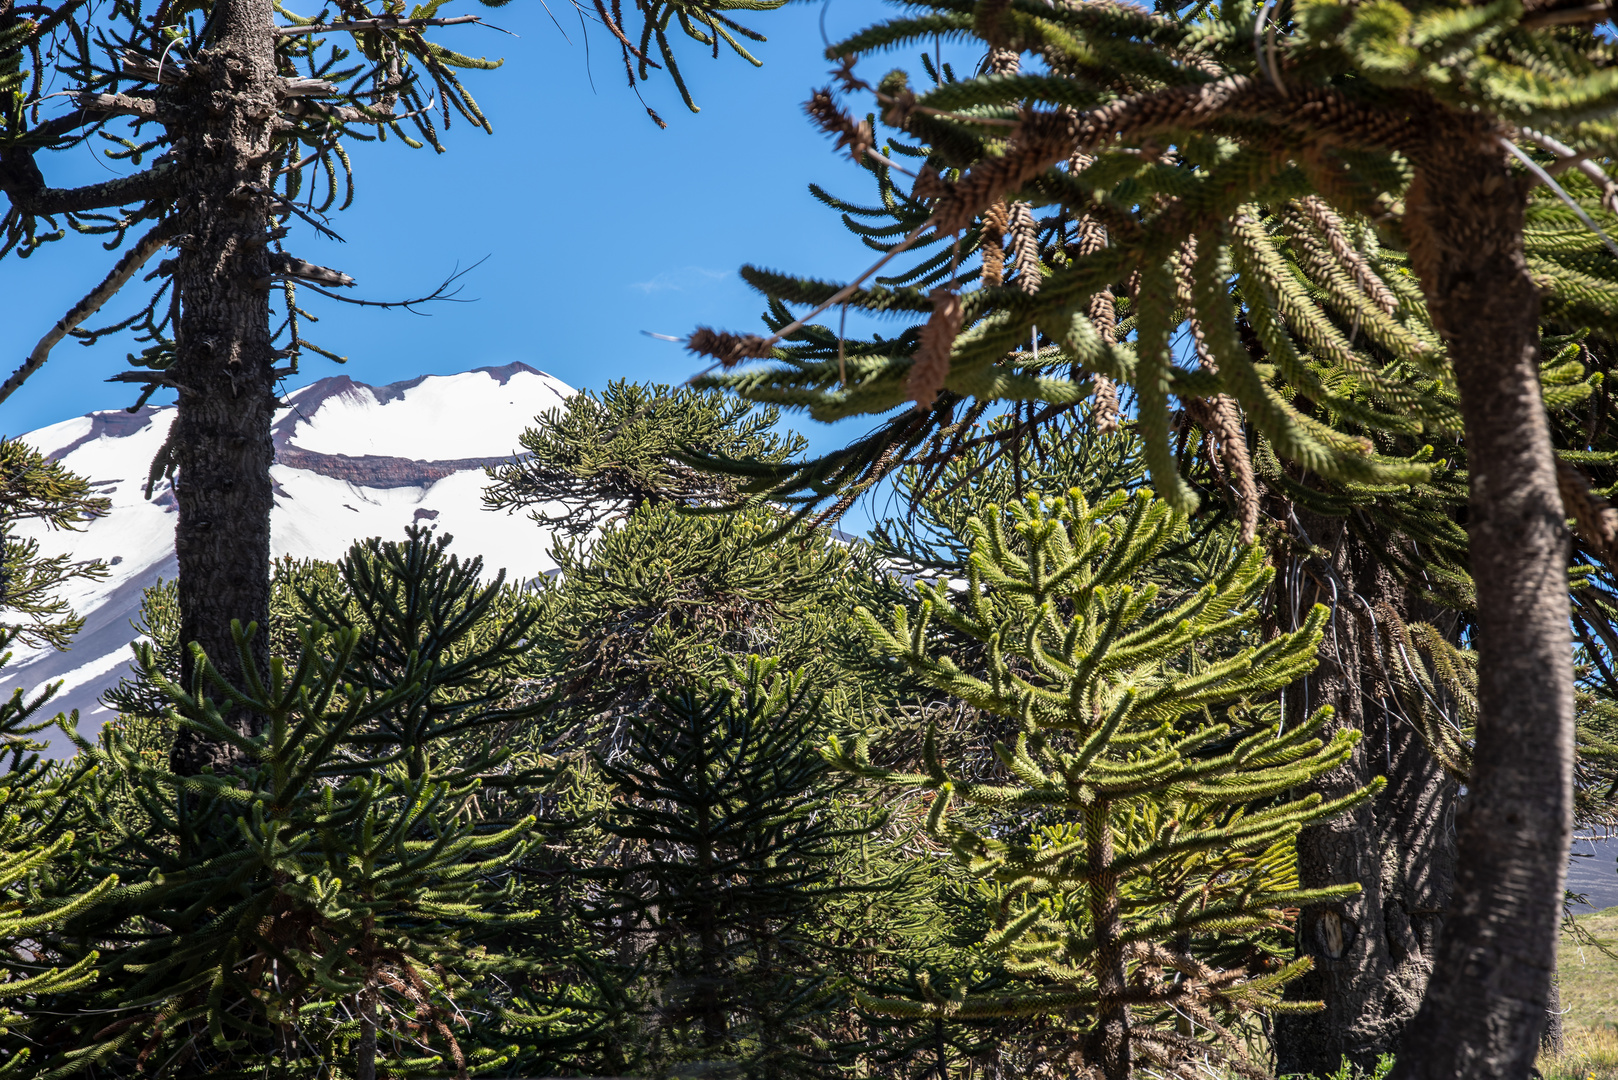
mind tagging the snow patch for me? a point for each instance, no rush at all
(444, 427)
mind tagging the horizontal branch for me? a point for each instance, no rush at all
(346, 114)
(122, 271)
(152, 69)
(307, 88)
(149, 378)
(443, 292)
(118, 105)
(1565, 16)
(291, 266)
(155, 183)
(382, 23)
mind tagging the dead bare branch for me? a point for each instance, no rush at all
(383, 23)
(122, 271)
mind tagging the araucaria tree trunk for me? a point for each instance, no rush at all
(223, 364)
(1371, 954)
(1485, 1003)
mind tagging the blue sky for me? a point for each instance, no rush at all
(595, 224)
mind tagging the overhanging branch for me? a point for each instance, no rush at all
(126, 267)
(154, 183)
(383, 23)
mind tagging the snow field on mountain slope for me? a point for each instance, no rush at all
(477, 415)
(444, 417)
(138, 533)
(318, 517)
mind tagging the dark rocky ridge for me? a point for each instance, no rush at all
(371, 470)
(375, 471)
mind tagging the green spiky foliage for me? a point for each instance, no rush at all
(1193, 235)
(33, 488)
(908, 912)
(600, 457)
(34, 796)
(229, 126)
(414, 601)
(1132, 217)
(345, 902)
(723, 857)
(663, 596)
(926, 927)
(1144, 836)
(652, 585)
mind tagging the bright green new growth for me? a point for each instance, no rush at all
(1141, 819)
(31, 794)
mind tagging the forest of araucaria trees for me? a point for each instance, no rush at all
(1217, 697)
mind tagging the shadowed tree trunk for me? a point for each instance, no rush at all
(1372, 953)
(1485, 1004)
(221, 437)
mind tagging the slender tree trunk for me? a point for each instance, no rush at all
(1111, 1049)
(1485, 1003)
(1372, 953)
(1554, 1039)
(365, 1054)
(221, 437)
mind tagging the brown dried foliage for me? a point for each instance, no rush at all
(1106, 403)
(989, 243)
(1593, 517)
(931, 367)
(727, 348)
(856, 135)
(1024, 246)
(1318, 117)
(1324, 218)
(1219, 415)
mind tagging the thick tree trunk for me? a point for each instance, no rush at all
(1485, 1003)
(223, 364)
(1371, 953)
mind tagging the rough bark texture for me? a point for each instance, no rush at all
(1485, 1003)
(1372, 953)
(221, 436)
(1111, 1049)
(1554, 1039)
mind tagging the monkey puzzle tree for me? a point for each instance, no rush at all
(1173, 132)
(34, 793)
(1144, 826)
(240, 115)
(362, 908)
(600, 457)
(1380, 556)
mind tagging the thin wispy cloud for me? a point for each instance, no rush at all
(681, 279)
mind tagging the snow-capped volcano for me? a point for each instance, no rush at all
(351, 461)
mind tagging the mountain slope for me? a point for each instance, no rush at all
(352, 461)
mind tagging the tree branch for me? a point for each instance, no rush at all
(307, 88)
(126, 267)
(1533, 20)
(383, 23)
(155, 183)
(443, 292)
(291, 266)
(118, 105)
